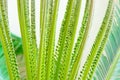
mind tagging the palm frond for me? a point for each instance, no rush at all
(78, 49)
(115, 70)
(7, 44)
(27, 28)
(48, 17)
(62, 36)
(61, 62)
(41, 59)
(98, 45)
(67, 35)
(111, 54)
(18, 50)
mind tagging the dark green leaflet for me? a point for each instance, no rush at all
(17, 42)
(98, 40)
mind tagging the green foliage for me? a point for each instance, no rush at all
(7, 44)
(78, 49)
(98, 45)
(110, 58)
(67, 38)
(18, 50)
(28, 36)
(61, 62)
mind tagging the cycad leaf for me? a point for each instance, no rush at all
(27, 27)
(66, 39)
(98, 45)
(116, 74)
(79, 46)
(41, 61)
(48, 17)
(109, 58)
(6, 42)
(62, 36)
(18, 50)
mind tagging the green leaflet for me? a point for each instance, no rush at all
(116, 73)
(48, 17)
(28, 36)
(107, 60)
(49, 40)
(106, 66)
(64, 55)
(33, 32)
(18, 50)
(103, 30)
(51, 37)
(76, 55)
(113, 65)
(7, 44)
(62, 35)
(100, 50)
(34, 50)
(41, 61)
(3, 68)
(17, 42)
